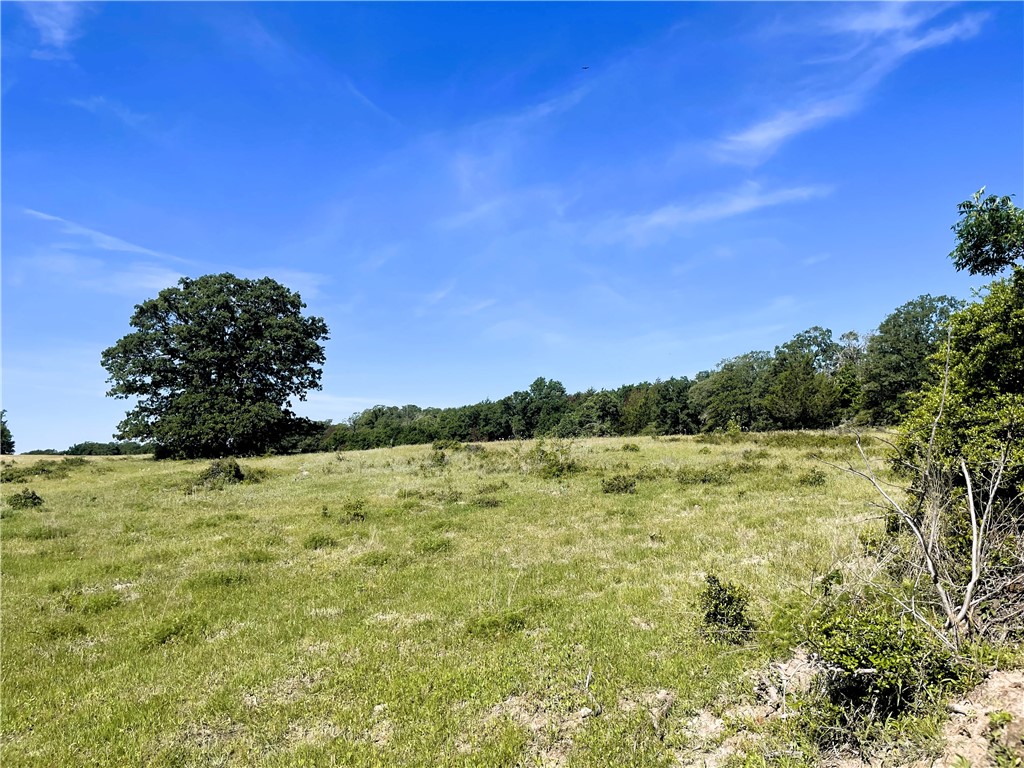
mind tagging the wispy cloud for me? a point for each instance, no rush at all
(58, 25)
(307, 284)
(872, 40)
(135, 280)
(101, 105)
(643, 228)
(98, 240)
(281, 57)
(369, 103)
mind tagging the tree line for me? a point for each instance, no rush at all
(812, 381)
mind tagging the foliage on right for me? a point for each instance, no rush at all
(961, 449)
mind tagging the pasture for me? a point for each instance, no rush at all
(500, 604)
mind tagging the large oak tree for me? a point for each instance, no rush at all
(215, 362)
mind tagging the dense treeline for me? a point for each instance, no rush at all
(810, 382)
(91, 448)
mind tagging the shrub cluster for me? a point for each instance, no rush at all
(724, 608)
(619, 484)
(878, 664)
(25, 499)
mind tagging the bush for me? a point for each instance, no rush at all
(619, 484)
(25, 499)
(878, 665)
(724, 607)
(224, 472)
(553, 462)
(631, 448)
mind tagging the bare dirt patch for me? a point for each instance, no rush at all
(550, 733)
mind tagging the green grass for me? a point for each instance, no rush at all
(400, 607)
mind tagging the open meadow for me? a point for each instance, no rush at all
(499, 604)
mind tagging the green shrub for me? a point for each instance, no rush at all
(724, 608)
(551, 462)
(26, 499)
(878, 665)
(619, 484)
(631, 447)
(220, 473)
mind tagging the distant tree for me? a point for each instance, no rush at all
(214, 363)
(896, 358)
(6, 438)
(733, 393)
(990, 234)
(638, 406)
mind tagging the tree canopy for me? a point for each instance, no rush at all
(214, 363)
(990, 234)
(896, 358)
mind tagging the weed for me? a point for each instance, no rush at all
(176, 629)
(63, 628)
(486, 502)
(488, 488)
(724, 607)
(218, 579)
(100, 602)
(255, 556)
(376, 558)
(319, 541)
(551, 462)
(447, 445)
(812, 478)
(220, 473)
(497, 624)
(631, 447)
(701, 476)
(45, 533)
(26, 499)
(619, 484)
(432, 545)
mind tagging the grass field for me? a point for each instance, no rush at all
(505, 604)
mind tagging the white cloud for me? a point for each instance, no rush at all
(100, 105)
(137, 280)
(58, 25)
(883, 36)
(307, 284)
(643, 228)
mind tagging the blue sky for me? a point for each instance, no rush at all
(474, 195)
